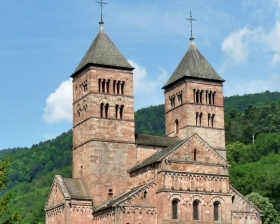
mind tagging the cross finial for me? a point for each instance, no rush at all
(191, 20)
(101, 5)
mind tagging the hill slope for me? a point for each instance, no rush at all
(254, 166)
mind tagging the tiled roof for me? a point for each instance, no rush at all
(103, 52)
(193, 65)
(151, 140)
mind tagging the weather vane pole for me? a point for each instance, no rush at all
(191, 21)
(101, 5)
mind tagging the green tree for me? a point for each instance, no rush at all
(270, 214)
(6, 217)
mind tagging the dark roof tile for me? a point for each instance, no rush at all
(103, 52)
(151, 140)
(193, 65)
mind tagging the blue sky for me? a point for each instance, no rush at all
(42, 42)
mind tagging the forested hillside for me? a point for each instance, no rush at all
(254, 166)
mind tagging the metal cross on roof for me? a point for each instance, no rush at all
(101, 5)
(191, 20)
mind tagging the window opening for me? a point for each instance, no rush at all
(232, 199)
(200, 96)
(195, 210)
(176, 126)
(200, 119)
(110, 193)
(194, 96)
(197, 96)
(101, 109)
(114, 86)
(213, 101)
(103, 85)
(108, 86)
(121, 111)
(118, 87)
(209, 118)
(194, 154)
(196, 119)
(175, 209)
(145, 194)
(106, 110)
(212, 118)
(99, 85)
(117, 110)
(206, 97)
(209, 97)
(216, 211)
(122, 88)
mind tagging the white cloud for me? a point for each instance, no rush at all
(253, 86)
(235, 45)
(273, 41)
(141, 84)
(59, 104)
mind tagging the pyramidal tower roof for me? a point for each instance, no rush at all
(193, 65)
(103, 52)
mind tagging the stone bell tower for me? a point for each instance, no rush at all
(194, 101)
(103, 119)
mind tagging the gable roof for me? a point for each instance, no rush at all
(151, 140)
(233, 190)
(193, 65)
(73, 188)
(161, 154)
(116, 201)
(103, 52)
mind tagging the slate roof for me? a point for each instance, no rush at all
(122, 198)
(151, 140)
(157, 157)
(193, 65)
(77, 188)
(103, 52)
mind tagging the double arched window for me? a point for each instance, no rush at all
(119, 111)
(104, 110)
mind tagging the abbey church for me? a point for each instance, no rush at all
(121, 177)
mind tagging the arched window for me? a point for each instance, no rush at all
(209, 118)
(194, 154)
(196, 118)
(103, 85)
(210, 97)
(200, 119)
(114, 86)
(175, 209)
(118, 87)
(107, 110)
(217, 214)
(99, 85)
(176, 126)
(212, 120)
(122, 88)
(108, 86)
(121, 111)
(110, 193)
(196, 210)
(101, 109)
(116, 110)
